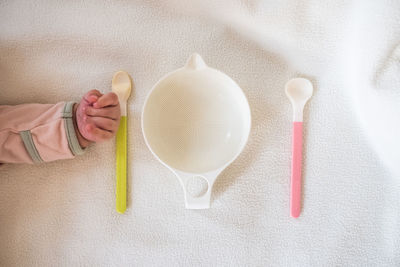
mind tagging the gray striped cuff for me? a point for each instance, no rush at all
(26, 137)
(73, 142)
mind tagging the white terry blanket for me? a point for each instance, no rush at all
(62, 213)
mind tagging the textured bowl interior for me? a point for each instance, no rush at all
(196, 121)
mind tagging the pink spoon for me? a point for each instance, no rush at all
(299, 91)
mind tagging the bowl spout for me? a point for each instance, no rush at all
(195, 62)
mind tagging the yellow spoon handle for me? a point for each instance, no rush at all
(121, 159)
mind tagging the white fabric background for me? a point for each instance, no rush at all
(62, 213)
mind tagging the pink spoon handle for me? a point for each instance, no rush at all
(295, 194)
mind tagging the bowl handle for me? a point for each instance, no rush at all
(203, 201)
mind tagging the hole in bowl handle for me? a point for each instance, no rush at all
(200, 202)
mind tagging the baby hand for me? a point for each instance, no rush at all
(97, 117)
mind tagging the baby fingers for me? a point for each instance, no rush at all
(112, 112)
(96, 134)
(106, 124)
(110, 99)
(92, 96)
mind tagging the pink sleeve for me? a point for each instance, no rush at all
(32, 133)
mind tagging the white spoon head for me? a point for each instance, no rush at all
(122, 85)
(299, 90)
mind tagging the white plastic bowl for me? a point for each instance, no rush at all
(196, 121)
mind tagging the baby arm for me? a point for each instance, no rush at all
(31, 133)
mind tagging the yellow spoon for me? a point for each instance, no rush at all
(122, 86)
